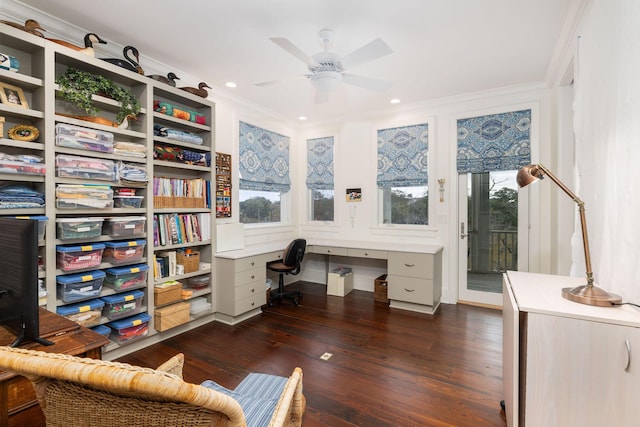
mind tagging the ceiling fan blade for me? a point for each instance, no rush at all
(267, 83)
(321, 96)
(293, 50)
(374, 50)
(366, 82)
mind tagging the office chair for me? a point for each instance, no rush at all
(290, 264)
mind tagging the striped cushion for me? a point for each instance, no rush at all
(257, 394)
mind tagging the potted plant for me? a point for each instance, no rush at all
(77, 87)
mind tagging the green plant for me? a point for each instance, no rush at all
(77, 87)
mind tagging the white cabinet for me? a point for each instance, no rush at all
(414, 280)
(567, 364)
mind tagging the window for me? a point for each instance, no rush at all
(259, 206)
(402, 174)
(320, 178)
(264, 174)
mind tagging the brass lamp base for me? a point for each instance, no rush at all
(590, 295)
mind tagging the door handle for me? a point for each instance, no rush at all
(462, 233)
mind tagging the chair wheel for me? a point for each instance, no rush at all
(295, 301)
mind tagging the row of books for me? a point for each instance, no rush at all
(175, 229)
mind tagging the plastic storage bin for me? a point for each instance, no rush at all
(83, 138)
(123, 278)
(131, 328)
(42, 223)
(122, 305)
(124, 252)
(22, 168)
(131, 202)
(103, 330)
(200, 306)
(85, 314)
(78, 228)
(74, 287)
(124, 226)
(85, 168)
(70, 196)
(77, 257)
(199, 282)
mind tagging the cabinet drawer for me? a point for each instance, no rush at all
(411, 264)
(250, 303)
(330, 250)
(249, 289)
(367, 253)
(20, 394)
(248, 263)
(248, 276)
(410, 289)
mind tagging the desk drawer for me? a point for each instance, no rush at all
(367, 253)
(250, 303)
(330, 250)
(249, 263)
(20, 394)
(256, 275)
(410, 289)
(250, 289)
(411, 264)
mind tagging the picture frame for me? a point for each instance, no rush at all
(13, 95)
(354, 194)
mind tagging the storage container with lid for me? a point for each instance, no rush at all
(72, 196)
(83, 133)
(86, 314)
(74, 287)
(122, 305)
(103, 330)
(78, 257)
(128, 277)
(42, 223)
(124, 226)
(130, 328)
(85, 168)
(131, 202)
(124, 252)
(79, 228)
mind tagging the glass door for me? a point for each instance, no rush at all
(489, 236)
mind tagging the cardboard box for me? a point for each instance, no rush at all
(171, 316)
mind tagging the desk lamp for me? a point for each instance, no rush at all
(584, 294)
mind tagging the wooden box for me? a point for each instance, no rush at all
(171, 316)
(380, 289)
(167, 293)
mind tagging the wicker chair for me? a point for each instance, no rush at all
(77, 391)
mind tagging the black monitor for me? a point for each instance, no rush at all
(19, 309)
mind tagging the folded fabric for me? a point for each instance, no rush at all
(178, 135)
(180, 113)
(132, 173)
(130, 149)
(19, 196)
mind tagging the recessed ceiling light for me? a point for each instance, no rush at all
(302, 118)
(395, 101)
(231, 84)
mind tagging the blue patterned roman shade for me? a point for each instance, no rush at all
(403, 156)
(494, 142)
(320, 163)
(264, 160)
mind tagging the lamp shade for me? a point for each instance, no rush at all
(326, 81)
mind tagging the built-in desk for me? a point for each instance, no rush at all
(414, 274)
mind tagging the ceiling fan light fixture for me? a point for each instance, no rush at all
(326, 81)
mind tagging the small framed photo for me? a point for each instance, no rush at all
(12, 95)
(354, 194)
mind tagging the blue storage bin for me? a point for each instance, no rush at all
(122, 305)
(42, 223)
(124, 252)
(130, 329)
(86, 314)
(73, 287)
(123, 278)
(79, 256)
(103, 330)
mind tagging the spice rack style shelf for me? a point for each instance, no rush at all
(223, 185)
(170, 120)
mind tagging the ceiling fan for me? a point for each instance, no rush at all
(327, 69)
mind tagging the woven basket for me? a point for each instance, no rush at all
(172, 316)
(178, 202)
(380, 289)
(190, 261)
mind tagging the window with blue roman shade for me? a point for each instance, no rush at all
(263, 159)
(403, 156)
(494, 142)
(320, 163)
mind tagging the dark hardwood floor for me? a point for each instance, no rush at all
(389, 367)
